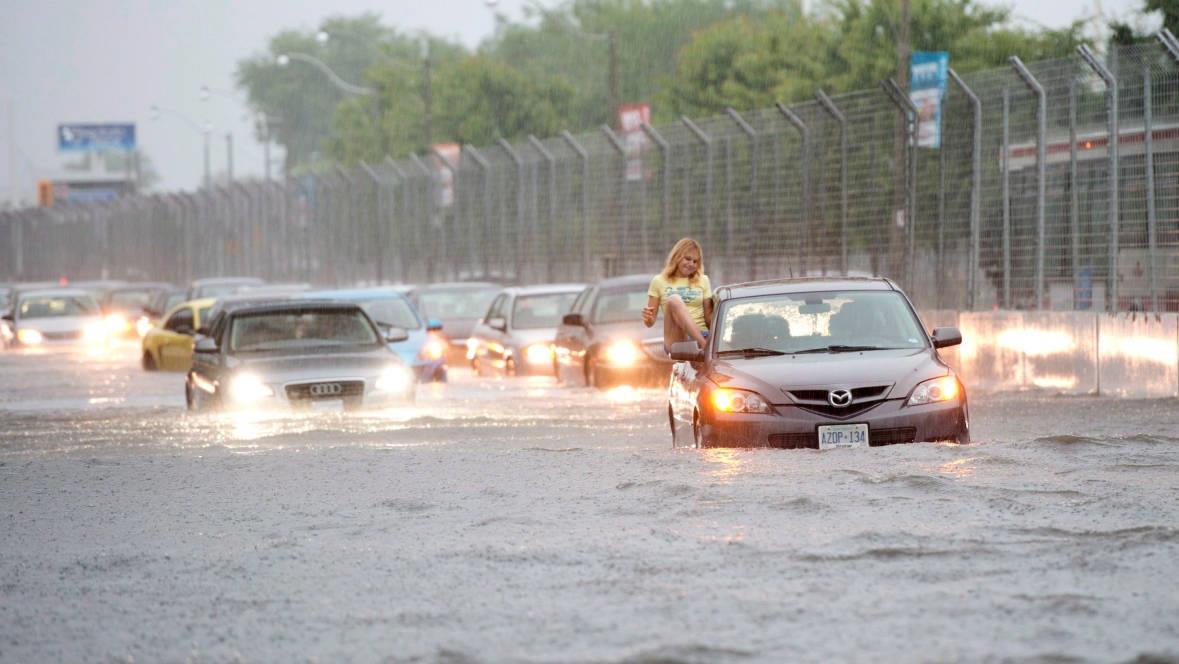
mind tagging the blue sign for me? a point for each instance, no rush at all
(927, 88)
(95, 137)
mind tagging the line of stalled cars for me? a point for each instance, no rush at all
(822, 363)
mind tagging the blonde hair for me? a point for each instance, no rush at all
(677, 252)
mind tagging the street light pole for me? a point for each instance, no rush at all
(284, 59)
(204, 131)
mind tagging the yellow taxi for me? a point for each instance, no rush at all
(168, 345)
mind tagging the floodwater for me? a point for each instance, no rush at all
(517, 521)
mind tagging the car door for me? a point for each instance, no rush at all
(493, 338)
(176, 337)
(577, 337)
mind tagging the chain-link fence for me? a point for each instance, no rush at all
(1026, 204)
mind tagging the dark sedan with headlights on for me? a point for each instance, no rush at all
(296, 354)
(602, 341)
(816, 363)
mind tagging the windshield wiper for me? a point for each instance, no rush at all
(750, 352)
(839, 348)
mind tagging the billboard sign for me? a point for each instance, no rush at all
(631, 118)
(927, 89)
(95, 137)
(443, 172)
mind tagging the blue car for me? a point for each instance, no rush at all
(424, 350)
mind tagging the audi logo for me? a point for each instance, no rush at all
(326, 389)
(839, 398)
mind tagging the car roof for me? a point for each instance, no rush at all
(142, 285)
(292, 305)
(803, 285)
(545, 289)
(54, 292)
(460, 285)
(373, 292)
(626, 280)
(210, 281)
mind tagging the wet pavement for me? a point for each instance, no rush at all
(516, 520)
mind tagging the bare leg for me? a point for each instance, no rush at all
(678, 324)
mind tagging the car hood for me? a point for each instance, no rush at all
(59, 323)
(523, 338)
(772, 377)
(312, 366)
(458, 329)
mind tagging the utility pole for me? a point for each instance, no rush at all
(900, 169)
(13, 194)
(229, 155)
(615, 100)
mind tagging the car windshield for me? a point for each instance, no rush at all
(57, 306)
(130, 299)
(819, 322)
(455, 304)
(395, 312)
(300, 330)
(171, 301)
(620, 306)
(539, 311)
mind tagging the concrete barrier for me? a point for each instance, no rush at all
(1066, 352)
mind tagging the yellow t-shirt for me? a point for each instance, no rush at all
(693, 295)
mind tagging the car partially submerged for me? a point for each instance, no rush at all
(816, 363)
(41, 318)
(297, 354)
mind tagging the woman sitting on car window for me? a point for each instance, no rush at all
(684, 292)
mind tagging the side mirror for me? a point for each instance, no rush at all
(575, 320)
(185, 329)
(205, 345)
(497, 323)
(395, 334)
(946, 336)
(686, 351)
(433, 325)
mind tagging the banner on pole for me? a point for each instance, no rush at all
(927, 89)
(631, 118)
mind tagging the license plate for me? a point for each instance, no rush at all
(327, 405)
(841, 436)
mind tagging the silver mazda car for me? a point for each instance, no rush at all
(816, 363)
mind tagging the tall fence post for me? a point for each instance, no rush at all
(624, 236)
(751, 133)
(706, 141)
(1074, 203)
(1041, 170)
(378, 222)
(909, 113)
(395, 219)
(520, 222)
(1151, 220)
(1111, 100)
(829, 106)
(975, 188)
(665, 174)
(430, 208)
(804, 168)
(1169, 43)
(1005, 193)
(550, 235)
(485, 167)
(583, 202)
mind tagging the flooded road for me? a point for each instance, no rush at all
(515, 520)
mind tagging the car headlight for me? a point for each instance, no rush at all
(472, 347)
(728, 400)
(143, 325)
(95, 333)
(117, 323)
(394, 379)
(622, 353)
(28, 336)
(433, 349)
(935, 390)
(248, 387)
(539, 354)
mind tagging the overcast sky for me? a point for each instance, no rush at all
(110, 60)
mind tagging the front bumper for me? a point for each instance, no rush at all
(789, 426)
(347, 393)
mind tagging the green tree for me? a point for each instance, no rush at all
(302, 98)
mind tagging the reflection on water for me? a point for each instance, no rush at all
(726, 463)
(622, 394)
(959, 468)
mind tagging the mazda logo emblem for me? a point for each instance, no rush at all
(326, 389)
(839, 398)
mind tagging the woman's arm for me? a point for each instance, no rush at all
(708, 311)
(651, 310)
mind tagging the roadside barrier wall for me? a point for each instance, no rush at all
(1131, 355)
